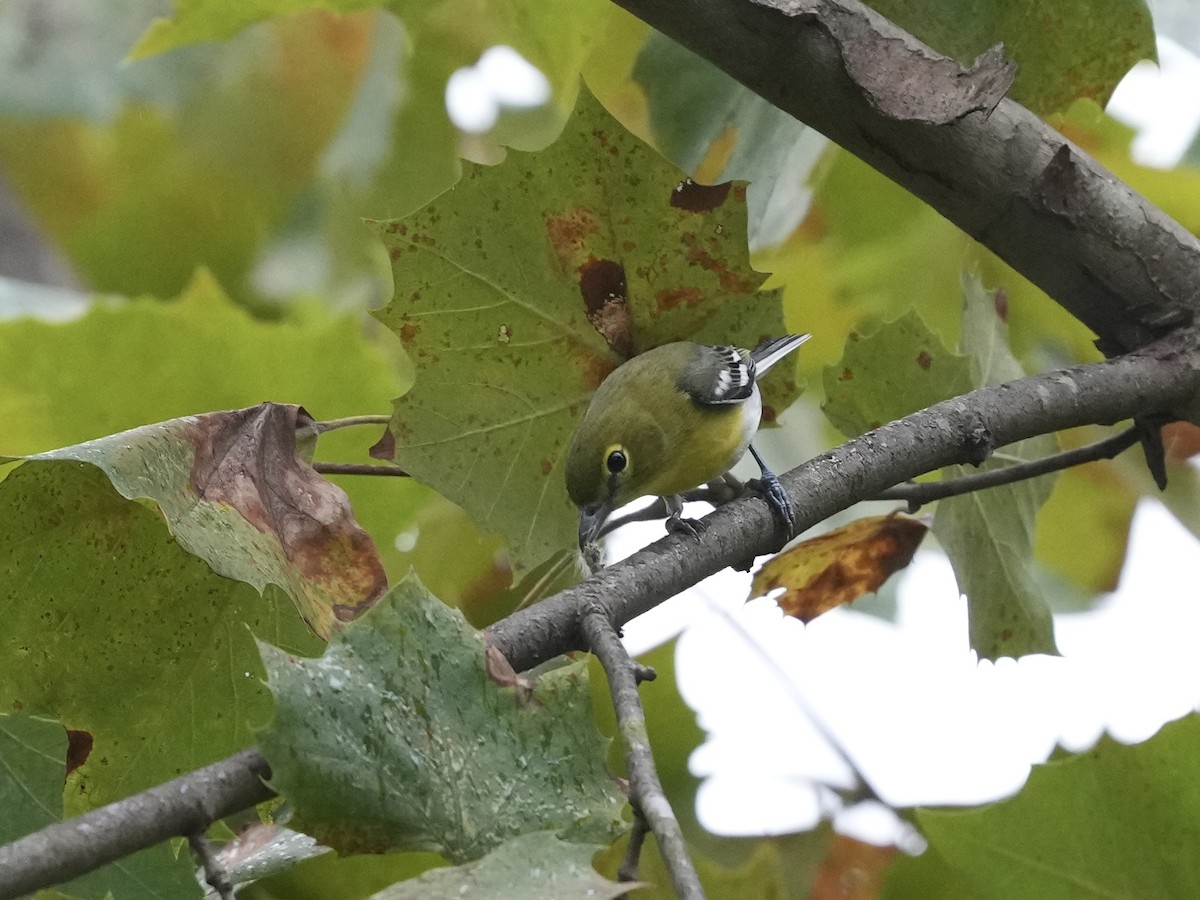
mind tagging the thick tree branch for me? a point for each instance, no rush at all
(961, 430)
(1116, 262)
(182, 807)
(646, 792)
(1163, 378)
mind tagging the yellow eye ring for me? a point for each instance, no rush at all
(616, 460)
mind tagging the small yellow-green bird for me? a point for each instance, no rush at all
(667, 421)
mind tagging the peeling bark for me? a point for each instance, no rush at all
(1111, 258)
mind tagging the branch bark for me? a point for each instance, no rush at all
(645, 788)
(1161, 378)
(182, 807)
(1115, 261)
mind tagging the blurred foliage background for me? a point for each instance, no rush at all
(182, 196)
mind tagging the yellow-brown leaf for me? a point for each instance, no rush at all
(839, 567)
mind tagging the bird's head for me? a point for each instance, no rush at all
(610, 463)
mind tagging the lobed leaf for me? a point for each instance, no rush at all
(1116, 821)
(890, 373)
(404, 736)
(34, 755)
(518, 291)
(531, 865)
(116, 631)
(989, 535)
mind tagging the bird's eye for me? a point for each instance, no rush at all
(616, 462)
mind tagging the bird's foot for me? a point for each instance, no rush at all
(677, 524)
(769, 488)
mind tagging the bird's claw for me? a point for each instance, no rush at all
(677, 524)
(769, 488)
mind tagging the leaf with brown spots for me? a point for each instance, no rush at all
(894, 371)
(520, 290)
(840, 566)
(236, 493)
(31, 795)
(409, 734)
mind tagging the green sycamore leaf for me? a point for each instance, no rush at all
(989, 535)
(236, 493)
(530, 865)
(705, 121)
(202, 175)
(329, 876)
(128, 362)
(896, 370)
(519, 290)
(114, 630)
(34, 757)
(1065, 49)
(194, 21)
(1115, 822)
(409, 734)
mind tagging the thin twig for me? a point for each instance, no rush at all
(646, 790)
(214, 872)
(327, 468)
(350, 422)
(633, 853)
(918, 494)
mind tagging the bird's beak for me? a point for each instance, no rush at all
(591, 521)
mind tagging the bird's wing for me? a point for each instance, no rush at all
(715, 376)
(767, 354)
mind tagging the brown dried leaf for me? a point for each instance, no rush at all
(236, 492)
(839, 567)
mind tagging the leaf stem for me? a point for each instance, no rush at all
(326, 468)
(349, 422)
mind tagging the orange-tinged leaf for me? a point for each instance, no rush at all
(852, 870)
(1181, 441)
(839, 567)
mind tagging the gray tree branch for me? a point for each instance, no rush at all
(1006, 178)
(1163, 378)
(645, 788)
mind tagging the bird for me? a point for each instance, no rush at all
(667, 421)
